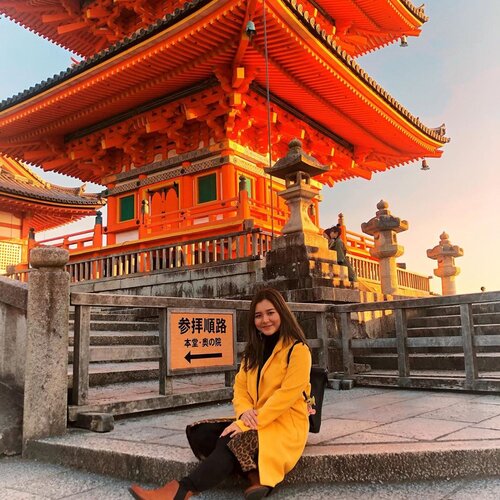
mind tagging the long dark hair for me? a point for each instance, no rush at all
(290, 329)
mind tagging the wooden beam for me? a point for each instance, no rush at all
(53, 164)
(96, 12)
(53, 18)
(37, 154)
(69, 28)
(238, 76)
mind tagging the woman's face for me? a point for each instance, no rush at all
(267, 319)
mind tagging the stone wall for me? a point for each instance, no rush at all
(13, 304)
(34, 352)
(237, 279)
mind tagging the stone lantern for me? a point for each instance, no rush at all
(384, 227)
(297, 168)
(300, 263)
(445, 254)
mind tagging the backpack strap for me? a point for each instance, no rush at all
(306, 398)
(291, 349)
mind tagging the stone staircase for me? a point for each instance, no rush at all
(122, 332)
(124, 368)
(441, 322)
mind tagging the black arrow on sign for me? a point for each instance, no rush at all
(188, 357)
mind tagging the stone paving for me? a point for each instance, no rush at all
(31, 480)
(360, 417)
(356, 423)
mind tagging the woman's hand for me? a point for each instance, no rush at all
(249, 418)
(310, 410)
(231, 429)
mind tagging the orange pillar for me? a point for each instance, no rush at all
(97, 240)
(243, 206)
(343, 230)
(228, 182)
(111, 221)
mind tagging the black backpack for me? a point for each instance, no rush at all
(318, 379)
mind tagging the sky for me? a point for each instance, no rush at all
(450, 74)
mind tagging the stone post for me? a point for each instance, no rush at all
(445, 254)
(46, 364)
(383, 227)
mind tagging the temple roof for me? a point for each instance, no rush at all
(22, 190)
(182, 49)
(366, 25)
(87, 26)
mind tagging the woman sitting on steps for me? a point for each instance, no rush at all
(269, 434)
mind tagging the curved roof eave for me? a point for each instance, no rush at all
(105, 54)
(437, 134)
(326, 40)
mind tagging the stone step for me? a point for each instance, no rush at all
(120, 325)
(120, 354)
(131, 391)
(491, 307)
(430, 379)
(447, 331)
(111, 373)
(120, 338)
(445, 361)
(163, 457)
(453, 320)
(108, 316)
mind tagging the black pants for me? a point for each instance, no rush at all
(219, 465)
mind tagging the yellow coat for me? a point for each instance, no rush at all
(281, 410)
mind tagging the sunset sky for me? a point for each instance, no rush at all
(450, 74)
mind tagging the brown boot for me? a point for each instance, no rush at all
(253, 477)
(166, 492)
(256, 492)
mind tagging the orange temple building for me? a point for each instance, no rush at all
(29, 204)
(175, 107)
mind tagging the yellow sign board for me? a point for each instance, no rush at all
(200, 340)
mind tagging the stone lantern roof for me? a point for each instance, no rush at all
(295, 161)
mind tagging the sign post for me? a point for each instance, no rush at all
(200, 340)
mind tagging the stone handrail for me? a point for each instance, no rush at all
(83, 302)
(34, 343)
(251, 243)
(13, 307)
(366, 269)
(413, 281)
(321, 338)
(469, 340)
(369, 270)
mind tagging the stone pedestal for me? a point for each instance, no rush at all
(445, 254)
(46, 376)
(384, 227)
(300, 263)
